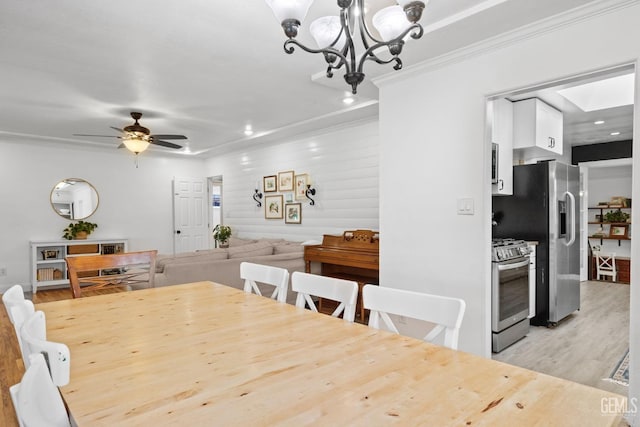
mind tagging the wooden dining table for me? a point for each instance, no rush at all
(205, 354)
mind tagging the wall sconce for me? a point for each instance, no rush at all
(257, 197)
(311, 191)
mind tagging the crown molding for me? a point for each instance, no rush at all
(535, 29)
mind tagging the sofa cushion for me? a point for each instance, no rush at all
(287, 249)
(235, 241)
(250, 250)
(194, 257)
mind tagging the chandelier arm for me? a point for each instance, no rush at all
(329, 50)
(369, 53)
(349, 47)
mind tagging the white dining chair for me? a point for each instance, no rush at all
(606, 265)
(343, 291)
(255, 274)
(18, 309)
(445, 312)
(36, 399)
(57, 355)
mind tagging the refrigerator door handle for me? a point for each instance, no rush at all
(572, 200)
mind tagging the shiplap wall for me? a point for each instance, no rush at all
(343, 166)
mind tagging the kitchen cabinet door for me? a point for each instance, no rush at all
(537, 125)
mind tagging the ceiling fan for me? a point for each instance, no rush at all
(137, 138)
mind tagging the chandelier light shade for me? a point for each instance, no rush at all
(334, 34)
(390, 22)
(135, 144)
(326, 30)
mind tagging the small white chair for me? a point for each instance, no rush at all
(606, 265)
(343, 291)
(253, 274)
(36, 399)
(18, 310)
(445, 312)
(57, 355)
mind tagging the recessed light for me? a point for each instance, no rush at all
(615, 133)
(348, 100)
(598, 122)
(248, 130)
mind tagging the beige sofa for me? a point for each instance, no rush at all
(223, 265)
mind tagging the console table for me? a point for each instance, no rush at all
(48, 267)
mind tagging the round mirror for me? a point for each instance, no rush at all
(74, 198)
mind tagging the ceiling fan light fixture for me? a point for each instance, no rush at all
(135, 144)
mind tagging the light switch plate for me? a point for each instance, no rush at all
(465, 207)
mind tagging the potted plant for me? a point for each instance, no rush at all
(79, 230)
(221, 234)
(616, 216)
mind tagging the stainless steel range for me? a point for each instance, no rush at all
(509, 292)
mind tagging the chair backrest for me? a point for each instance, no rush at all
(18, 310)
(14, 296)
(135, 260)
(36, 399)
(343, 291)
(253, 274)
(445, 312)
(605, 262)
(57, 355)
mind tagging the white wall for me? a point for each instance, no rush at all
(445, 152)
(343, 165)
(133, 203)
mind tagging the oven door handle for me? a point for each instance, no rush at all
(506, 267)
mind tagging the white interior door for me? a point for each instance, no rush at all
(190, 214)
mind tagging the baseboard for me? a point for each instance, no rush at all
(26, 287)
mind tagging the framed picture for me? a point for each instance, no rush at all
(620, 231)
(293, 213)
(301, 186)
(288, 197)
(269, 184)
(285, 181)
(273, 207)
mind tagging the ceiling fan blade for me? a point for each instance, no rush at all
(169, 136)
(101, 136)
(118, 129)
(164, 143)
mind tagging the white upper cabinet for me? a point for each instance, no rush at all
(502, 135)
(536, 124)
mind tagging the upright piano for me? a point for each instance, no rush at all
(354, 255)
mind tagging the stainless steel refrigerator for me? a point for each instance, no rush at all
(544, 207)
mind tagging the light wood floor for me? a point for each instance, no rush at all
(585, 347)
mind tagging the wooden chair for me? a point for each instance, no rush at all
(343, 291)
(36, 399)
(57, 355)
(98, 271)
(445, 312)
(606, 265)
(254, 274)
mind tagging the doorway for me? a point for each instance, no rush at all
(215, 206)
(550, 350)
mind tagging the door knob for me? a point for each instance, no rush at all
(178, 232)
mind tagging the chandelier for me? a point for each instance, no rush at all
(335, 35)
